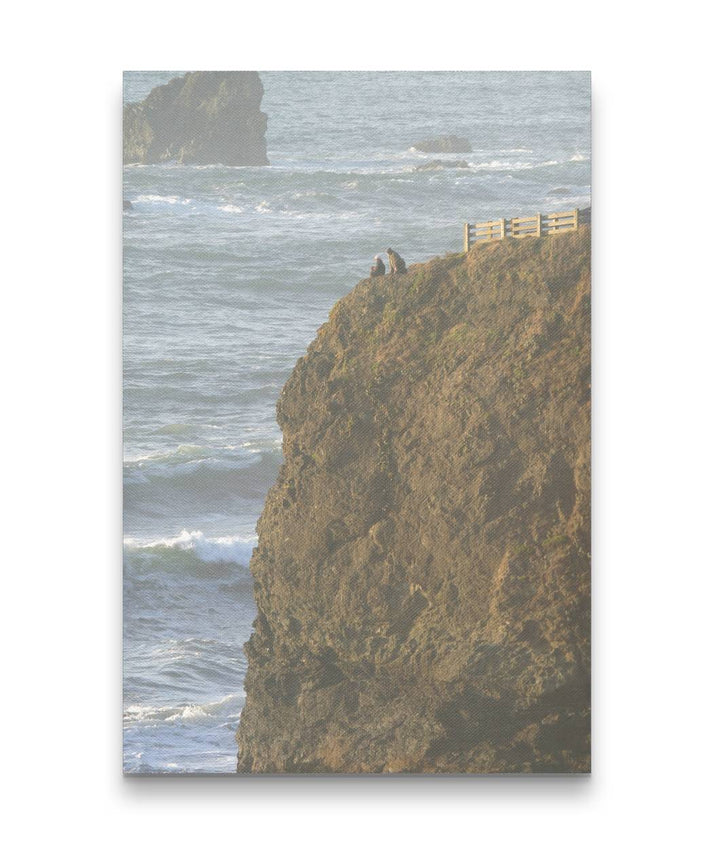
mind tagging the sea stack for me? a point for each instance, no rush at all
(422, 574)
(204, 117)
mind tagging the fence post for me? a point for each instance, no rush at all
(539, 224)
(502, 228)
(467, 237)
(576, 219)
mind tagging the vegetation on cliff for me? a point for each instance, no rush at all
(422, 574)
(204, 117)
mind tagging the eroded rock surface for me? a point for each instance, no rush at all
(423, 569)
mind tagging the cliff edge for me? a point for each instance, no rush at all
(204, 117)
(422, 573)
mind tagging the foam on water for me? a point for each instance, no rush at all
(227, 548)
(171, 713)
(154, 198)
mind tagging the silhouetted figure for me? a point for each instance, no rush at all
(378, 269)
(397, 265)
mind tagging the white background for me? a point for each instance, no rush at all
(655, 434)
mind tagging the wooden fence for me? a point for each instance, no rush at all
(521, 227)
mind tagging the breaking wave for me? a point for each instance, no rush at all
(227, 549)
(154, 198)
(171, 713)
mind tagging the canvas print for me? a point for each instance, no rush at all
(356, 355)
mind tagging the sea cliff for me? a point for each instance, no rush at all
(422, 574)
(204, 117)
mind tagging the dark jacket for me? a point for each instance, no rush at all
(378, 269)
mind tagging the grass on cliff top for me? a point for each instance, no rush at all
(502, 300)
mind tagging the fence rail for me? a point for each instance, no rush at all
(521, 227)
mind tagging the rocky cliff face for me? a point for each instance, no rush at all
(423, 570)
(202, 118)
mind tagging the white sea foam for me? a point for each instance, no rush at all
(153, 198)
(503, 164)
(579, 157)
(232, 209)
(512, 166)
(145, 713)
(480, 152)
(185, 451)
(226, 548)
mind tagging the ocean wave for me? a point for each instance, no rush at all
(162, 468)
(194, 453)
(190, 168)
(312, 194)
(136, 714)
(154, 198)
(225, 549)
(502, 164)
(251, 466)
(175, 429)
(184, 452)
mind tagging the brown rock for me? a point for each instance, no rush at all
(423, 572)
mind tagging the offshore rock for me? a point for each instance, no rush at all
(422, 573)
(205, 117)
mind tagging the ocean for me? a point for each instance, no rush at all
(227, 274)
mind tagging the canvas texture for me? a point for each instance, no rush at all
(356, 351)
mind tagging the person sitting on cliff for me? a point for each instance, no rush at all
(378, 269)
(397, 264)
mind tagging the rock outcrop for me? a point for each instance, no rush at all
(205, 117)
(422, 574)
(450, 143)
